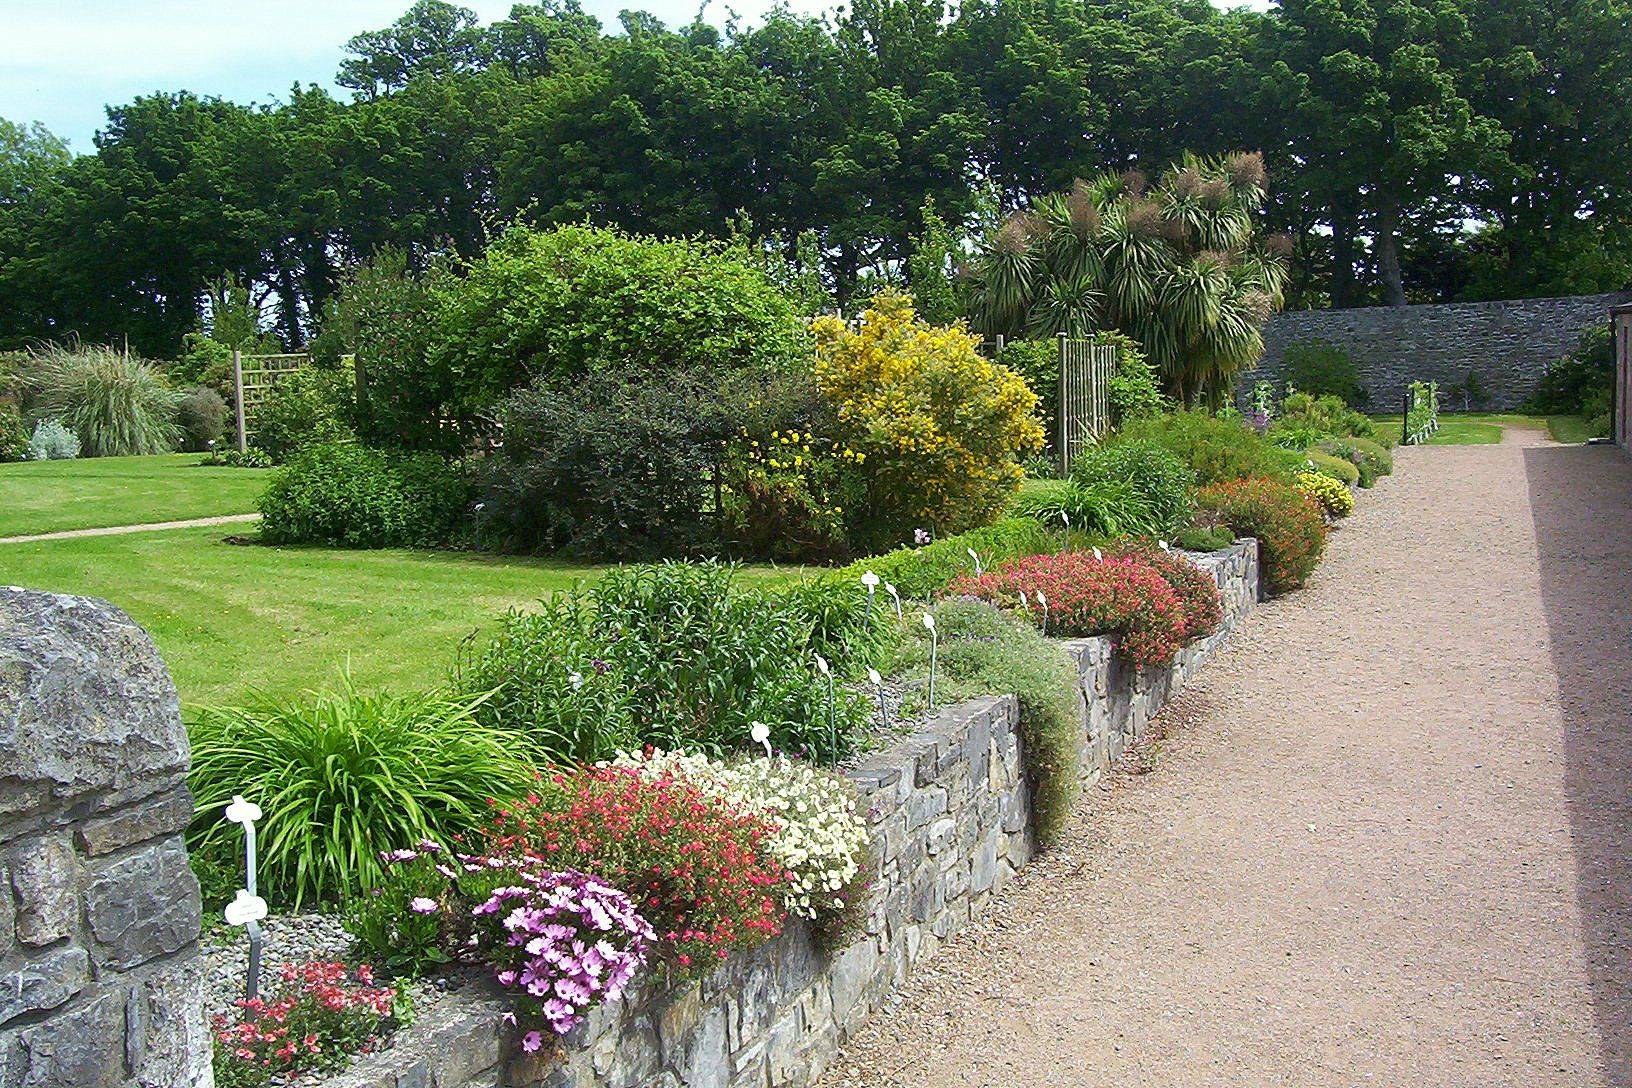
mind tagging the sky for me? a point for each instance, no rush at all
(62, 61)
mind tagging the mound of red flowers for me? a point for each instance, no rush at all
(699, 871)
(1123, 598)
(322, 1014)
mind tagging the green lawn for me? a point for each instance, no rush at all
(1569, 429)
(1466, 428)
(229, 618)
(95, 492)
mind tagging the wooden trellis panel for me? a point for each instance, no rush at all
(253, 377)
(1085, 395)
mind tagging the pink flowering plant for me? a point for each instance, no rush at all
(321, 1014)
(561, 943)
(401, 923)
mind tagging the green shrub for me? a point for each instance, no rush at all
(1314, 366)
(202, 417)
(610, 465)
(983, 650)
(13, 435)
(1102, 508)
(921, 572)
(846, 629)
(672, 656)
(115, 405)
(1215, 448)
(342, 776)
(346, 494)
(1370, 459)
(227, 455)
(1204, 538)
(1295, 438)
(51, 441)
(305, 407)
(1337, 468)
(1568, 384)
(1166, 483)
(1326, 416)
(1289, 525)
(574, 299)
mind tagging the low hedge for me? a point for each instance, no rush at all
(1215, 448)
(349, 495)
(1369, 458)
(1289, 524)
(1339, 469)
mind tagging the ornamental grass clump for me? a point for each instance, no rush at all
(1289, 524)
(116, 405)
(820, 836)
(322, 1014)
(1124, 599)
(1196, 589)
(702, 872)
(561, 943)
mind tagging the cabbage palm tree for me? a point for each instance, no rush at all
(1176, 265)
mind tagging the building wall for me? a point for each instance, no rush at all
(1508, 344)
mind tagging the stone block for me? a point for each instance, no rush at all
(43, 875)
(924, 805)
(80, 1048)
(8, 925)
(162, 817)
(706, 1063)
(852, 972)
(983, 870)
(142, 904)
(942, 833)
(43, 982)
(166, 1040)
(676, 1018)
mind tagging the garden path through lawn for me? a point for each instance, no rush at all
(145, 527)
(1388, 841)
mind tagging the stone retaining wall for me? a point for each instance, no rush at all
(100, 983)
(1508, 344)
(950, 810)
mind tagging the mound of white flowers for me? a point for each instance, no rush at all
(821, 838)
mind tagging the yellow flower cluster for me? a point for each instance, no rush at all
(946, 425)
(1334, 496)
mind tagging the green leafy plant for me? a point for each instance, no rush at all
(1370, 459)
(342, 776)
(13, 435)
(1567, 384)
(1338, 468)
(346, 494)
(1215, 448)
(306, 407)
(1165, 482)
(1204, 538)
(115, 404)
(1326, 416)
(1321, 368)
(51, 441)
(1103, 507)
(202, 417)
(981, 650)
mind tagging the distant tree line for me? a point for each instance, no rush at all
(1417, 149)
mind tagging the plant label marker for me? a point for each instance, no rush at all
(1099, 556)
(1042, 599)
(976, 557)
(761, 734)
(889, 587)
(878, 688)
(934, 646)
(870, 581)
(247, 908)
(832, 728)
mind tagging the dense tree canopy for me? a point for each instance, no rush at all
(1418, 149)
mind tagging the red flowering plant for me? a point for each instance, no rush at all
(1196, 589)
(322, 1013)
(1289, 524)
(699, 870)
(1122, 598)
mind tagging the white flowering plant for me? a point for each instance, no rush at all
(821, 835)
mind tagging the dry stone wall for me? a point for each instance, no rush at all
(100, 983)
(950, 810)
(1508, 344)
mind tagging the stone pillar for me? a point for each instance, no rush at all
(101, 984)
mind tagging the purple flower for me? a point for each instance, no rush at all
(920, 537)
(532, 1041)
(421, 905)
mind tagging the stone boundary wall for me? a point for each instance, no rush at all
(100, 980)
(950, 810)
(1509, 344)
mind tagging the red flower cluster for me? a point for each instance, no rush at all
(697, 869)
(322, 1014)
(1197, 590)
(1289, 524)
(1125, 599)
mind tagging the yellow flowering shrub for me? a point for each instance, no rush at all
(941, 426)
(1334, 496)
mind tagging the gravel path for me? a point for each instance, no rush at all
(1389, 841)
(116, 530)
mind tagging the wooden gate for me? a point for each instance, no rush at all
(1085, 395)
(253, 377)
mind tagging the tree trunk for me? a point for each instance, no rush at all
(1388, 254)
(1343, 255)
